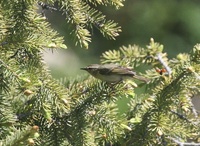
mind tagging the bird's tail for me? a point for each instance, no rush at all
(143, 79)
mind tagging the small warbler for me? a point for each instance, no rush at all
(112, 73)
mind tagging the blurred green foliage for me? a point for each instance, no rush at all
(174, 23)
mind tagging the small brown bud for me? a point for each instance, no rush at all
(31, 142)
(28, 92)
(104, 136)
(159, 132)
(35, 128)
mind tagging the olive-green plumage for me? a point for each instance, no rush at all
(112, 73)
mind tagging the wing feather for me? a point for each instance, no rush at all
(109, 69)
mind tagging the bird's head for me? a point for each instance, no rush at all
(92, 69)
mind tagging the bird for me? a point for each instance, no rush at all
(112, 73)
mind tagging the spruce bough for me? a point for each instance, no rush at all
(37, 109)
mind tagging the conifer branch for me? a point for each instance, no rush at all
(81, 15)
(24, 136)
(164, 64)
(177, 141)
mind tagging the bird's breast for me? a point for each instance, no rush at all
(109, 78)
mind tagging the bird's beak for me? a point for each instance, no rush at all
(83, 68)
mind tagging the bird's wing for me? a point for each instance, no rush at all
(123, 71)
(106, 69)
(109, 69)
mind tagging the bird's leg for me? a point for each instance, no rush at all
(115, 83)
